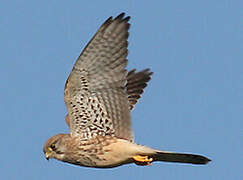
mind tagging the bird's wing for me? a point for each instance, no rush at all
(95, 92)
(136, 83)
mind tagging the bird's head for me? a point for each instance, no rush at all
(55, 147)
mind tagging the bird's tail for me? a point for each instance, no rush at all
(179, 157)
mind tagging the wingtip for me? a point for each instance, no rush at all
(148, 71)
(120, 16)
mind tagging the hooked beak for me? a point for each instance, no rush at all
(48, 155)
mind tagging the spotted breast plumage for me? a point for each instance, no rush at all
(99, 95)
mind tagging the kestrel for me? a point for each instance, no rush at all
(99, 95)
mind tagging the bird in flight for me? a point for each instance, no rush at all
(100, 94)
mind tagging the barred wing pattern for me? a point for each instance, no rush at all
(136, 83)
(95, 92)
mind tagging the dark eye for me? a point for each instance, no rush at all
(53, 147)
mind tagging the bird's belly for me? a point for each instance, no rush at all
(106, 154)
(116, 154)
(106, 160)
(109, 160)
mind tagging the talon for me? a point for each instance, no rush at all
(143, 159)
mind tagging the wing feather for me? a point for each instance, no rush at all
(95, 92)
(136, 83)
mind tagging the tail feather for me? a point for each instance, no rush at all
(180, 157)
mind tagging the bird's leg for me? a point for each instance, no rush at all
(142, 160)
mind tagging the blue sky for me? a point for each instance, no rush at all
(194, 102)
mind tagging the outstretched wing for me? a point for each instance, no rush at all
(95, 92)
(136, 83)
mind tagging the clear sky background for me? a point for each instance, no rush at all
(194, 102)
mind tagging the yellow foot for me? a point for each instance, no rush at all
(143, 160)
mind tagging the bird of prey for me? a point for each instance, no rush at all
(100, 94)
